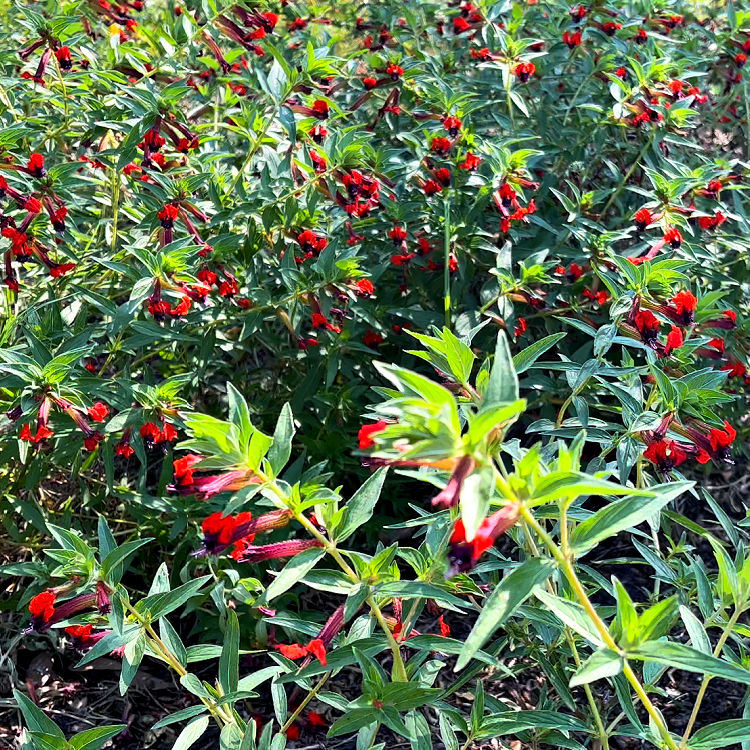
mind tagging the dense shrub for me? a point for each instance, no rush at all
(329, 330)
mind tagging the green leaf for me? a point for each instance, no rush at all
(690, 659)
(512, 591)
(294, 571)
(173, 641)
(229, 662)
(623, 514)
(721, 734)
(36, 720)
(698, 636)
(601, 664)
(191, 733)
(162, 604)
(526, 357)
(93, 739)
(502, 385)
(459, 355)
(112, 564)
(571, 614)
(185, 713)
(281, 448)
(358, 511)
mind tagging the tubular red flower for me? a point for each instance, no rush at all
(464, 554)
(275, 551)
(366, 432)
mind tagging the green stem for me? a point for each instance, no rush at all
(311, 694)
(726, 632)
(222, 717)
(399, 668)
(564, 560)
(447, 258)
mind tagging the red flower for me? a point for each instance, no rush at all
(445, 629)
(685, 303)
(98, 412)
(470, 162)
(643, 217)
(460, 25)
(311, 243)
(740, 60)
(364, 287)
(440, 145)
(35, 165)
(721, 439)
(292, 733)
(430, 187)
(481, 54)
(464, 554)
(520, 328)
(666, 454)
(219, 531)
(32, 205)
(91, 441)
(675, 340)
(648, 326)
(167, 215)
(320, 109)
(572, 39)
(600, 297)
(673, 236)
(367, 431)
(60, 269)
(641, 36)
(63, 57)
(372, 339)
(523, 71)
(452, 125)
(314, 719)
(42, 609)
(394, 71)
(397, 234)
(369, 83)
(611, 27)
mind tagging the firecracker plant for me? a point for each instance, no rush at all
(342, 341)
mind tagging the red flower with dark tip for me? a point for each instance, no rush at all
(367, 431)
(167, 215)
(464, 554)
(648, 326)
(452, 125)
(685, 303)
(611, 27)
(572, 39)
(369, 82)
(643, 217)
(674, 237)
(394, 71)
(666, 454)
(470, 162)
(440, 145)
(63, 57)
(320, 109)
(42, 609)
(523, 71)
(91, 441)
(35, 165)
